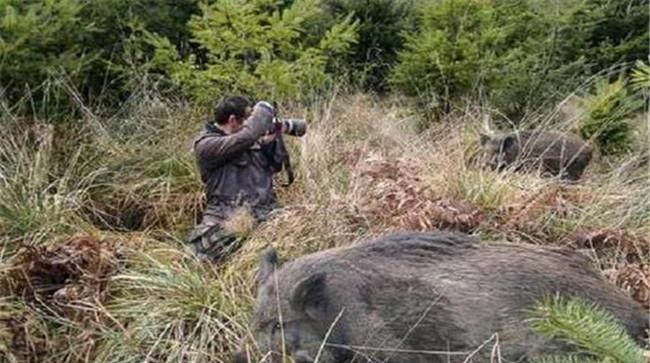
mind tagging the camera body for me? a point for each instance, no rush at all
(292, 126)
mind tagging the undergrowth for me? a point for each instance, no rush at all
(130, 192)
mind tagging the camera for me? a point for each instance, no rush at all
(291, 126)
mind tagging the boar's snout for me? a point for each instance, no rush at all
(495, 161)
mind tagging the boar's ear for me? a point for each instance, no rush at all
(484, 138)
(309, 296)
(268, 264)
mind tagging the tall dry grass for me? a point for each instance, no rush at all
(364, 169)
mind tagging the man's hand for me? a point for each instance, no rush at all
(267, 139)
(261, 119)
(266, 106)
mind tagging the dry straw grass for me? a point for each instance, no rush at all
(137, 295)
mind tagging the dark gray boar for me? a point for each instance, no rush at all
(421, 297)
(559, 154)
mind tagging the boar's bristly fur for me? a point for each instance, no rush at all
(555, 153)
(423, 297)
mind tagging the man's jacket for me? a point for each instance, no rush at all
(237, 170)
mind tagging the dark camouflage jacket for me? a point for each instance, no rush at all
(238, 171)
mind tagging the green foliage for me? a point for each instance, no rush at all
(619, 32)
(48, 47)
(168, 19)
(604, 33)
(437, 59)
(609, 111)
(506, 51)
(41, 38)
(381, 23)
(585, 325)
(640, 77)
(566, 359)
(514, 54)
(255, 48)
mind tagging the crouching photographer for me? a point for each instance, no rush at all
(238, 153)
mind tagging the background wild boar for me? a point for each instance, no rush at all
(560, 154)
(391, 299)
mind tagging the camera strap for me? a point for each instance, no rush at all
(270, 154)
(286, 164)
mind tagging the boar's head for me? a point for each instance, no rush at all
(500, 150)
(292, 314)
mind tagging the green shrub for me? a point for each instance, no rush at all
(505, 51)
(513, 54)
(168, 19)
(516, 55)
(608, 113)
(255, 48)
(381, 23)
(52, 48)
(39, 39)
(640, 77)
(619, 32)
(594, 332)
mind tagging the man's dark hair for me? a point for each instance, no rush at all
(235, 105)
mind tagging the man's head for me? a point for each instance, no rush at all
(231, 112)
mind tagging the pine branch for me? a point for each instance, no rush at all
(572, 358)
(589, 327)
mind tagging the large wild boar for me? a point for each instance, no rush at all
(559, 154)
(421, 297)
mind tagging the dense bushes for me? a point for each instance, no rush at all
(473, 48)
(610, 110)
(512, 55)
(381, 24)
(40, 39)
(256, 48)
(617, 32)
(77, 43)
